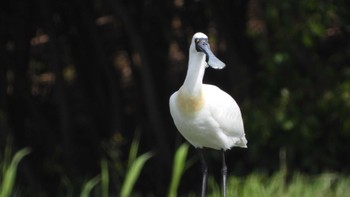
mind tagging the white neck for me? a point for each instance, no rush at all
(195, 73)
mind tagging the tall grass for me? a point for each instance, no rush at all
(133, 174)
(133, 169)
(9, 166)
(178, 169)
(253, 185)
(104, 178)
(89, 186)
(260, 185)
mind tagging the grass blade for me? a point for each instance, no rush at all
(104, 178)
(134, 149)
(88, 186)
(133, 173)
(178, 169)
(10, 172)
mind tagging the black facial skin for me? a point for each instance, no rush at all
(202, 45)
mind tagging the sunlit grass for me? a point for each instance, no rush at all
(179, 167)
(133, 174)
(253, 185)
(299, 185)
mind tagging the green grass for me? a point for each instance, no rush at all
(253, 185)
(133, 174)
(134, 167)
(262, 185)
(8, 172)
(89, 186)
(133, 170)
(299, 185)
(179, 167)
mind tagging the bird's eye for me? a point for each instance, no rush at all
(196, 40)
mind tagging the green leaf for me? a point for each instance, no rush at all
(88, 186)
(178, 169)
(104, 178)
(10, 172)
(134, 149)
(133, 173)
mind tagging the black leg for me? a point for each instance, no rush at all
(224, 173)
(204, 172)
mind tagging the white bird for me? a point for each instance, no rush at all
(205, 115)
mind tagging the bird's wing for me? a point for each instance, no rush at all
(225, 111)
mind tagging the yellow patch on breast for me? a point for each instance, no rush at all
(189, 104)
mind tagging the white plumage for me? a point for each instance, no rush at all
(204, 114)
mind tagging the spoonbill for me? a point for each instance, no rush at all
(205, 115)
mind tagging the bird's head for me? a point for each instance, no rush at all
(200, 44)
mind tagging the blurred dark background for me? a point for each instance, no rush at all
(80, 78)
